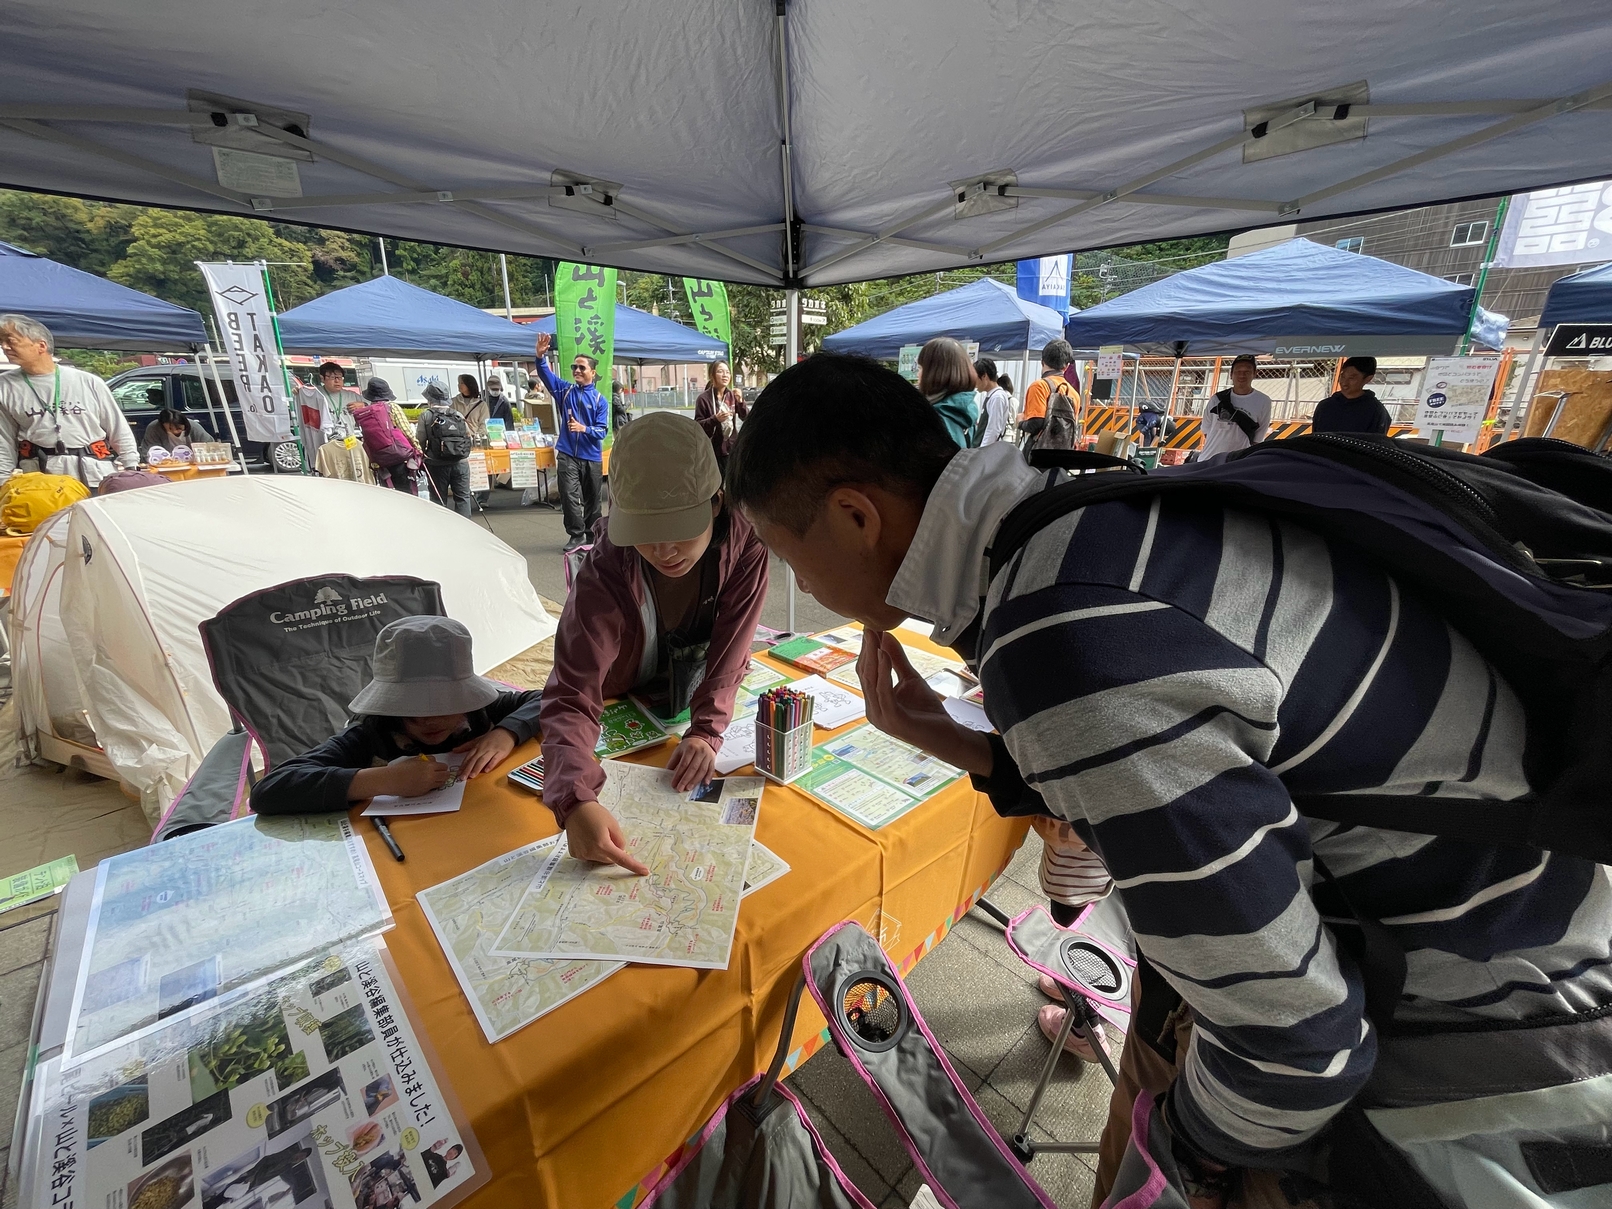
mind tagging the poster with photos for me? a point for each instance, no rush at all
(306, 1090)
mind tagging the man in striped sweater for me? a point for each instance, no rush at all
(1166, 677)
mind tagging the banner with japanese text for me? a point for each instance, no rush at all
(709, 302)
(245, 314)
(585, 318)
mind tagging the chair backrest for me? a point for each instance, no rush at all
(288, 659)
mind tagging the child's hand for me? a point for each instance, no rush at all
(595, 835)
(411, 778)
(692, 763)
(486, 752)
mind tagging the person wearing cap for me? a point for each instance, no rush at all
(583, 418)
(665, 607)
(425, 698)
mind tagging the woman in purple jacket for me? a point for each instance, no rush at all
(665, 606)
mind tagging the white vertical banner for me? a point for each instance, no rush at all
(246, 327)
(1455, 396)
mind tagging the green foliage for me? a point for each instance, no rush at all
(87, 235)
(166, 244)
(101, 364)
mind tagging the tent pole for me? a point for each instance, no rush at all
(1175, 381)
(212, 361)
(791, 356)
(1024, 383)
(503, 269)
(385, 271)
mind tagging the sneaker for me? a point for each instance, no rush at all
(1049, 988)
(1050, 1020)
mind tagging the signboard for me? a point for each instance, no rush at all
(907, 363)
(1455, 396)
(1580, 340)
(585, 317)
(1429, 345)
(478, 471)
(246, 326)
(1045, 280)
(1551, 227)
(1111, 361)
(522, 467)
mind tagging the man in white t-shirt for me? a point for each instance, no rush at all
(54, 417)
(1239, 417)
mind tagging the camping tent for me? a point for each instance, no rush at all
(1295, 299)
(854, 121)
(388, 315)
(1582, 298)
(85, 311)
(143, 569)
(643, 337)
(985, 311)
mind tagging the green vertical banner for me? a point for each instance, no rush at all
(709, 302)
(585, 318)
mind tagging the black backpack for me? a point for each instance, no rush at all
(1522, 569)
(447, 437)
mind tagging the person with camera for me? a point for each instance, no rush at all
(1239, 416)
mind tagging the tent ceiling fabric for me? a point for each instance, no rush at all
(470, 110)
(1582, 298)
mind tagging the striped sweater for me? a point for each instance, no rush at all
(1169, 675)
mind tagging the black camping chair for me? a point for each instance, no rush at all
(287, 660)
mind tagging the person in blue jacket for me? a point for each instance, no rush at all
(583, 417)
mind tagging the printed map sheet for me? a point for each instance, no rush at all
(874, 779)
(507, 993)
(696, 846)
(306, 1089)
(925, 663)
(181, 922)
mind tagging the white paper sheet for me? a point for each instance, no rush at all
(835, 706)
(439, 801)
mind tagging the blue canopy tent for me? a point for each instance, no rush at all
(642, 337)
(1582, 298)
(389, 316)
(1297, 299)
(85, 311)
(985, 311)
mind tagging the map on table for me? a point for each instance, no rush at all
(874, 779)
(309, 1087)
(179, 923)
(506, 993)
(696, 846)
(925, 663)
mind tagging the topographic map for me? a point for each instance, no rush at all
(507, 993)
(696, 846)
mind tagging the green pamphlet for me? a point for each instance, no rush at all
(31, 885)
(625, 726)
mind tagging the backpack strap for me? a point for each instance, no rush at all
(1239, 417)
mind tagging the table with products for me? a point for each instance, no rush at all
(587, 1104)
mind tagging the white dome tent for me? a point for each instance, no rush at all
(138, 572)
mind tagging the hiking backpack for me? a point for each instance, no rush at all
(1524, 571)
(385, 443)
(447, 436)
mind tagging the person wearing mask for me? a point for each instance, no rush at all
(498, 403)
(583, 418)
(1055, 358)
(1239, 416)
(720, 410)
(664, 606)
(172, 428)
(1352, 408)
(994, 404)
(445, 440)
(59, 418)
(946, 376)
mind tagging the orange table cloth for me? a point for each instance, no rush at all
(10, 552)
(498, 459)
(585, 1107)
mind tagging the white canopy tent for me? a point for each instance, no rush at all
(112, 592)
(689, 136)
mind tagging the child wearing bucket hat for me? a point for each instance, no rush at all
(425, 698)
(665, 606)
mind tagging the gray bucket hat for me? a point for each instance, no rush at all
(423, 670)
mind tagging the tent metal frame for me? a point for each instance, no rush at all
(794, 270)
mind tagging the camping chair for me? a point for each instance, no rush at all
(1093, 962)
(287, 660)
(753, 1156)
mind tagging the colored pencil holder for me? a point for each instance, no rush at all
(782, 755)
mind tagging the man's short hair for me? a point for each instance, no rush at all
(1242, 357)
(985, 368)
(1057, 354)
(330, 367)
(834, 419)
(1366, 365)
(593, 362)
(28, 329)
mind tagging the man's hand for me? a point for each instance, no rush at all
(594, 835)
(411, 778)
(544, 343)
(485, 753)
(576, 425)
(909, 710)
(691, 764)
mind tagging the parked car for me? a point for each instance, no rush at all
(145, 391)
